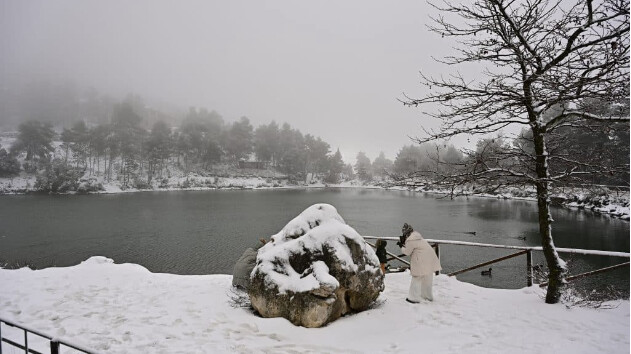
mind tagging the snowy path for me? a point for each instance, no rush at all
(123, 308)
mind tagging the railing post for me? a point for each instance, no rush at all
(0, 337)
(437, 255)
(54, 347)
(25, 341)
(529, 268)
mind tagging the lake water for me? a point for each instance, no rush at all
(204, 232)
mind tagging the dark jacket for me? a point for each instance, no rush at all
(381, 251)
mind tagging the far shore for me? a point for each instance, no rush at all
(610, 204)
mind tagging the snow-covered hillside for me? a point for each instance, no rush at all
(123, 308)
(600, 200)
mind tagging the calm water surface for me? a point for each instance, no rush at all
(204, 232)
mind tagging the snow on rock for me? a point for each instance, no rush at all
(316, 269)
(123, 308)
(307, 220)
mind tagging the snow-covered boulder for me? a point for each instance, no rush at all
(315, 270)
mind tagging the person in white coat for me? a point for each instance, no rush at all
(423, 264)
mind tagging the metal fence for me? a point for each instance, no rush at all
(521, 250)
(55, 344)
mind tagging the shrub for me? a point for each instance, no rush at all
(58, 178)
(30, 167)
(89, 185)
(9, 165)
(140, 183)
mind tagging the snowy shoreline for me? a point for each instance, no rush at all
(619, 207)
(228, 177)
(124, 308)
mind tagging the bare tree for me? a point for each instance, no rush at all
(548, 62)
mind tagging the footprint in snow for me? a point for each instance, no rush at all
(252, 327)
(119, 319)
(275, 337)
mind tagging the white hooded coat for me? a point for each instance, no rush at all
(422, 256)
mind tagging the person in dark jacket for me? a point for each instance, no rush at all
(244, 266)
(382, 254)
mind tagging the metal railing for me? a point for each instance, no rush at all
(522, 250)
(55, 343)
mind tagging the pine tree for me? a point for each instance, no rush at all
(336, 166)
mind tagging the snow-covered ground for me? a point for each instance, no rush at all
(123, 308)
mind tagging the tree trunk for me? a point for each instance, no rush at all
(556, 266)
(109, 170)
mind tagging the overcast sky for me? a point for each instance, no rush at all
(333, 69)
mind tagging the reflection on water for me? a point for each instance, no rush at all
(205, 232)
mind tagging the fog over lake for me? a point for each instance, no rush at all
(331, 69)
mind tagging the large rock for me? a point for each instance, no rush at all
(315, 270)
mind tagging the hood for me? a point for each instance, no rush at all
(415, 235)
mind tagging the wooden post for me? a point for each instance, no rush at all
(54, 347)
(529, 268)
(438, 255)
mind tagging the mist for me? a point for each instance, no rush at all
(329, 69)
